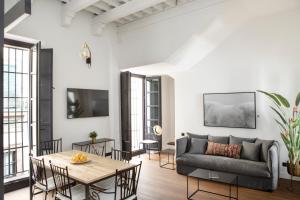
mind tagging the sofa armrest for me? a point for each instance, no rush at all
(181, 145)
(273, 163)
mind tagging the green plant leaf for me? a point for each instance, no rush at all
(282, 100)
(281, 125)
(279, 114)
(297, 99)
(271, 96)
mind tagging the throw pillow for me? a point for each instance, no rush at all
(198, 146)
(239, 140)
(265, 145)
(192, 135)
(228, 150)
(219, 139)
(250, 151)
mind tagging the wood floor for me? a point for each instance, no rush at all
(162, 184)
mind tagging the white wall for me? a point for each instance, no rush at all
(69, 71)
(168, 110)
(259, 52)
(262, 55)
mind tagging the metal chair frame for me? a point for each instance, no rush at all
(120, 155)
(127, 180)
(61, 181)
(50, 147)
(39, 176)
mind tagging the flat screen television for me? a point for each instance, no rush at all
(87, 103)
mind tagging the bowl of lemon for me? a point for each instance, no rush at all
(79, 158)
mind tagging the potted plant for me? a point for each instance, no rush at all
(288, 121)
(93, 136)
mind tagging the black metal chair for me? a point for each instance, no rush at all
(120, 155)
(39, 177)
(50, 147)
(96, 149)
(63, 185)
(126, 184)
(110, 182)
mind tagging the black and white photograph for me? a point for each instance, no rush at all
(232, 110)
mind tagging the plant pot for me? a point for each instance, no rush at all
(94, 140)
(293, 170)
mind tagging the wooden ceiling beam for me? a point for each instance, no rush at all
(121, 11)
(72, 7)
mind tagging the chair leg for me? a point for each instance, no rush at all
(46, 193)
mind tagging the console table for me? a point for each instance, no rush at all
(87, 144)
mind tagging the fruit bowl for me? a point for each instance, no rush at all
(79, 158)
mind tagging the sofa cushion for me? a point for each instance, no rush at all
(265, 145)
(228, 150)
(239, 140)
(193, 135)
(198, 146)
(250, 151)
(219, 139)
(225, 164)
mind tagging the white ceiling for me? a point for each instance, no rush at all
(119, 12)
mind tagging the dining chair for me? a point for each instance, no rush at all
(51, 146)
(110, 182)
(117, 154)
(63, 185)
(126, 184)
(97, 149)
(39, 177)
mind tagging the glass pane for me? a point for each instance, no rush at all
(19, 60)
(153, 99)
(12, 84)
(26, 61)
(25, 86)
(19, 85)
(5, 84)
(5, 59)
(12, 138)
(12, 60)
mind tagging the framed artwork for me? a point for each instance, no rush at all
(232, 110)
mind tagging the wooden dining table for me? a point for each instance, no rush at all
(97, 169)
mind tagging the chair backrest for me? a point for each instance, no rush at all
(61, 181)
(127, 180)
(38, 171)
(96, 149)
(120, 155)
(50, 147)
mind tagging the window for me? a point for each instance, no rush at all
(153, 107)
(17, 69)
(137, 111)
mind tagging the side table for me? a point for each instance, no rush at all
(170, 153)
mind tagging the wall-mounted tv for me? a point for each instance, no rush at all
(87, 103)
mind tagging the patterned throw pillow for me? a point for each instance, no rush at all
(228, 150)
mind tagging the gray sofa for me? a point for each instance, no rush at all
(262, 174)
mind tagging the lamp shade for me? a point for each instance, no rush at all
(157, 130)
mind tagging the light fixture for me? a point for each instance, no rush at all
(86, 54)
(157, 130)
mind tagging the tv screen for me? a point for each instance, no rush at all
(86, 103)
